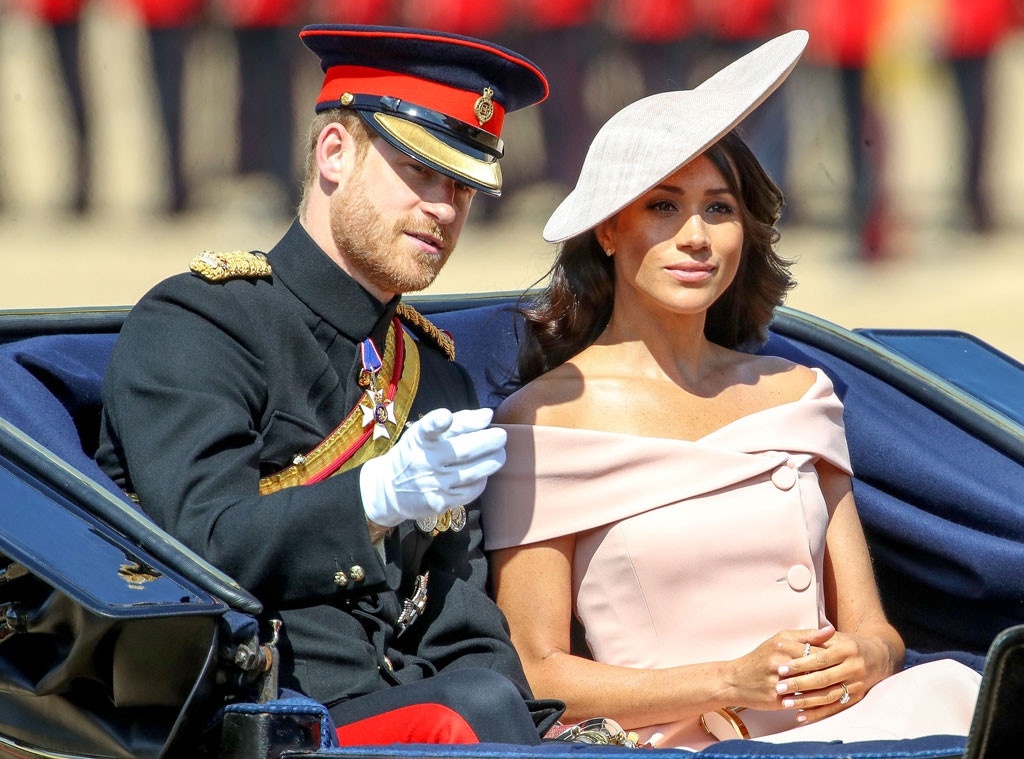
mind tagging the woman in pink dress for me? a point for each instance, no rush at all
(690, 501)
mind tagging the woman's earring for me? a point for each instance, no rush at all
(609, 252)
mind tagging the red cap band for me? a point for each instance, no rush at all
(361, 80)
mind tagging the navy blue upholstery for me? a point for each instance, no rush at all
(485, 343)
(942, 511)
(941, 508)
(52, 392)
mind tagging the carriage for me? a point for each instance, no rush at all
(117, 641)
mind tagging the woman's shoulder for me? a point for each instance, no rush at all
(779, 376)
(547, 390)
(772, 379)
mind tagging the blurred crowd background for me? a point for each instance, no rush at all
(172, 115)
(599, 55)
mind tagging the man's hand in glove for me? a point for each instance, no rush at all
(441, 461)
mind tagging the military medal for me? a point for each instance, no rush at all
(453, 519)
(377, 410)
(427, 524)
(458, 515)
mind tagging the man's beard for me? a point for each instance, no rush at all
(379, 250)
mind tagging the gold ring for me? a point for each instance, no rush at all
(845, 698)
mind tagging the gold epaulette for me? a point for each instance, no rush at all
(237, 264)
(425, 330)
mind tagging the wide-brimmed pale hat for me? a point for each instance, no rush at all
(437, 97)
(650, 139)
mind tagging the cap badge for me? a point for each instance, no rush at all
(484, 106)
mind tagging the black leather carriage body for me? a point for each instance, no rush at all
(998, 727)
(104, 648)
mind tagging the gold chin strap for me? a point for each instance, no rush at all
(485, 173)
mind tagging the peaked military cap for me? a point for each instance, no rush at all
(440, 98)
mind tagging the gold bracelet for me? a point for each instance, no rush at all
(724, 723)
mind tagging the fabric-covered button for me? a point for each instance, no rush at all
(799, 577)
(784, 478)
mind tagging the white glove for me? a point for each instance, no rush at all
(440, 462)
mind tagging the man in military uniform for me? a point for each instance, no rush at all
(275, 414)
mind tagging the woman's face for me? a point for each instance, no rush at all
(679, 245)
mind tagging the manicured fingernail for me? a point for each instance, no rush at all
(788, 703)
(783, 670)
(781, 687)
(801, 718)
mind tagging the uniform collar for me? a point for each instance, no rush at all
(326, 289)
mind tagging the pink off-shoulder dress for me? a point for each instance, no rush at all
(694, 551)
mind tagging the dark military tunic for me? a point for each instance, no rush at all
(213, 385)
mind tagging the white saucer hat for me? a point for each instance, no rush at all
(652, 138)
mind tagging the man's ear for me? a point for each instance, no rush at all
(335, 153)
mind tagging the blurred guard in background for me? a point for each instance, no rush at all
(64, 19)
(264, 33)
(971, 32)
(169, 27)
(843, 36)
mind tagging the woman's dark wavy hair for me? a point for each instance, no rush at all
(572, 310)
